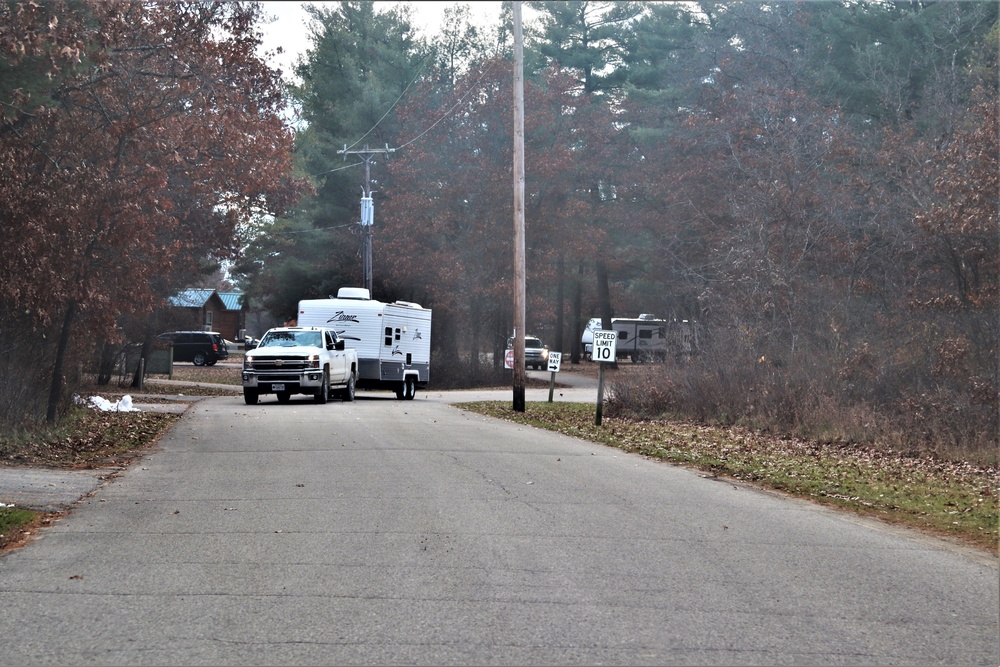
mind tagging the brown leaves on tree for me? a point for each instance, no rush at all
(136, 136)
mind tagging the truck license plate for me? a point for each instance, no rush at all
(277, 387)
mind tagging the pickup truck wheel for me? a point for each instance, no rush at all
(323, 393)
(284, 396)
(347, 395)
(199, 359)
(250, 396)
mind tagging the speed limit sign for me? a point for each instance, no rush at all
(604, 345)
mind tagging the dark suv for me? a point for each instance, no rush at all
(202, 348)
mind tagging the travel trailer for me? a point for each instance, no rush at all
(645, 338)
(393, 340)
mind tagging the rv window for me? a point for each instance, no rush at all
(388, 335)
(397, 334)
(622, 335)
(645, 333)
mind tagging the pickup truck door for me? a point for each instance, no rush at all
(338, 360)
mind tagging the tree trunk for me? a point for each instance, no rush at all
(147, 351)
(106, 364)
(577, 308)
(56, 387)
(477, 325)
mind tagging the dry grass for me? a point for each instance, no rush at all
(955, 500)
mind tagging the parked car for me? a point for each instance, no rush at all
(536, 355)
(202, 348)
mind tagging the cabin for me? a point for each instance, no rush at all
(211, 310)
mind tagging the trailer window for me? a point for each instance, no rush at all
(645, 333)
(622, 335)
(388, 336)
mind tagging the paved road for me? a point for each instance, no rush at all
(413, 532)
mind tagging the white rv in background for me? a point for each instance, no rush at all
(393, 340)
(645, 338)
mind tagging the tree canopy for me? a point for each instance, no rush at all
(813, 183)
(136, 138)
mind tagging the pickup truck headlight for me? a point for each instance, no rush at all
(545, 354)
(313, 361)
(248, 362)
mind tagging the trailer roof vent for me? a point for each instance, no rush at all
(647, 316)
(354, 293)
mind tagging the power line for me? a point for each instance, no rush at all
(330, 171)
(453, 107)
(431, 127)
(412, 81)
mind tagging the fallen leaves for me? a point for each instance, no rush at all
(919, 491)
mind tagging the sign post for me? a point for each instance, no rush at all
(554, 360)
(603, 351)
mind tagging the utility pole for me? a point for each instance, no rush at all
(367, 206)
(519, 275)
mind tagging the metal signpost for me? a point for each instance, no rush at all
(554, 359)
(603, 351)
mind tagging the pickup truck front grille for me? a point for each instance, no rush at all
(283, 364)
(279, 377)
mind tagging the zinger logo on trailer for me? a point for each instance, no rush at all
(341, 316)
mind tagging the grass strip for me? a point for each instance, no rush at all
(951, 499)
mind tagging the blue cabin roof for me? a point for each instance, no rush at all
(232, 300)
(191, 298)
(196, 298)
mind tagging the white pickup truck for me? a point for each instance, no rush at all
(300, 360)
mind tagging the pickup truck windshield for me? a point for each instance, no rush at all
(291, 339)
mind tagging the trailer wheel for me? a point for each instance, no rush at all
(401, 390)
(410, 389)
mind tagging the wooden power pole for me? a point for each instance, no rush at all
(519, 275)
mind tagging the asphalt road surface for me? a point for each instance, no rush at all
(387, 532)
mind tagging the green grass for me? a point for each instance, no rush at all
(951, 499)
(13, 522)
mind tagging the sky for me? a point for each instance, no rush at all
(289, 31)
